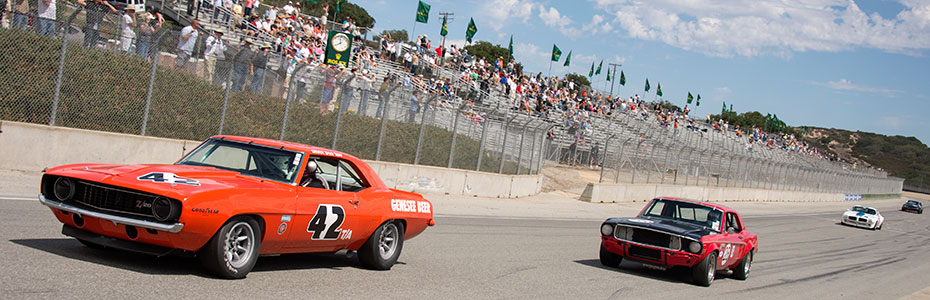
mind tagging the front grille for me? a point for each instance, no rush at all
(863, 220)
(851, 218)
(652, 238)
(114, 199)
(646, 253)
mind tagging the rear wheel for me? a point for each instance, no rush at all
(703, 273)
(383, 248)
(233, 250)
(741, 271)
(610, 259)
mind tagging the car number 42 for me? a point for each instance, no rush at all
(325, 224)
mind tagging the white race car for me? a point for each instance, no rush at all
(862, 216)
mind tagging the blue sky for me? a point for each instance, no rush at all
(857, 65)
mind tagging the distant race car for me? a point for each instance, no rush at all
(913, 206)
(672, 232)
(862, 216)
(232, 199)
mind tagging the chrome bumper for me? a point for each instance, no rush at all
(172, 228)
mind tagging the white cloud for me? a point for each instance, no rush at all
(500, 11)
(553, 18)
(722, 93)
(847, 85)
(528, 52)
(772, 27)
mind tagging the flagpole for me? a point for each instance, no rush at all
(550, 68)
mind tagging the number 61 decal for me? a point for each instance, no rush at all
(325, 224)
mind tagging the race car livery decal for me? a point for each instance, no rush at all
(411, 206)
(325, 224)
(327, 153)
(728, 252)
(160, 177)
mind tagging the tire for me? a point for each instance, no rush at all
(233, 250)
(741, 272)
(704, 272)
(383, 247)
(92, 245)
(610, 259)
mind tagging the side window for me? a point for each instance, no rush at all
(350, 180)
(732, 222)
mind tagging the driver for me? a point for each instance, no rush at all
(313, 179)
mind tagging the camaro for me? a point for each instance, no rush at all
(673, 232)
(862, 216)
(913, 206)
(232, 199)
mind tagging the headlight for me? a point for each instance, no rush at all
(607, 229)
(674, 243)
(163, 209)
(695, 247)
(64, 188)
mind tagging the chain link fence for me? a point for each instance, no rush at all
(148, 83)
(88, 68)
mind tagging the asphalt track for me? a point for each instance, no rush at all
(800, 257)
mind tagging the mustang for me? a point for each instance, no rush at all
(673, 232)
(862, 216)
(913, 206)
(234, 198)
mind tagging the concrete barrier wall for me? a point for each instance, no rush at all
(596, 192)
(33, 148)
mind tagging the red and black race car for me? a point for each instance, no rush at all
(672, 232)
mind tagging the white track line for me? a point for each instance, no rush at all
(9, 198)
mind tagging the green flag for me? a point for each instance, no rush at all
(622, 78)
(556, 53)
(698, 100)
(647, 83)
(423, 12)
(598, 72)
(444, 31)
(731, 109)
(339, 5)
(568, 59)
(472, 29)
(690, 98)
(510, 48)
(608, 76)
(659, 90)
(591, 73)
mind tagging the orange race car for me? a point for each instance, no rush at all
(234, 198)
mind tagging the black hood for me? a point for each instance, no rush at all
(676, 227)
(911, 205)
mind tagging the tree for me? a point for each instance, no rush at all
(357, 13)
(578, 79)
(668, 106)
(489, 52)
(399, 35)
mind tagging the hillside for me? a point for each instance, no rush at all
(904, 157)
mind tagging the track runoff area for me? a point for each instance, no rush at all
(801, 256)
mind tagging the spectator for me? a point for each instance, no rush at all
(4, 7)
(383, 95)
(595, 150)
(259, 62)
(348, 89)
(242, 63)
(21, 14)
(46, 17)
(366, 81)
(147, 30)
(329, 84)
(237, 13)
(128, 34)
(186, 43)
(414, 107)
(215, 50)
(96, 10)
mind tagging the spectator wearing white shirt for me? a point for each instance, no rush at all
(46, 17)
(127, 23)
(216, 50)
(186, 43)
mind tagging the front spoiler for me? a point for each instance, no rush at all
(172, 228)
(116, 243)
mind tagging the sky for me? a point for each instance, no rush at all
(853, 64)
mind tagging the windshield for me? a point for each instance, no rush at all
(248, 159)
(684, 211)
(912, 202)
(863, 210)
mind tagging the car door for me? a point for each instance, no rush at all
(321, 214)
(364, 213)
(734, 243)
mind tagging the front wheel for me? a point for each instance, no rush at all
(703, 273)
(233, 250)
(383, 248)
(610, 259)
(741, 272)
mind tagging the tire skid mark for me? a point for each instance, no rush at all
(860, 267)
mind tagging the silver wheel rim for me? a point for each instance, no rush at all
(387, 242)
(711, 269)
(239, 244)
(748, 264)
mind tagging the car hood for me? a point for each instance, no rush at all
(185, 182)
(911, 205)
(858, 214)
(675, 227)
